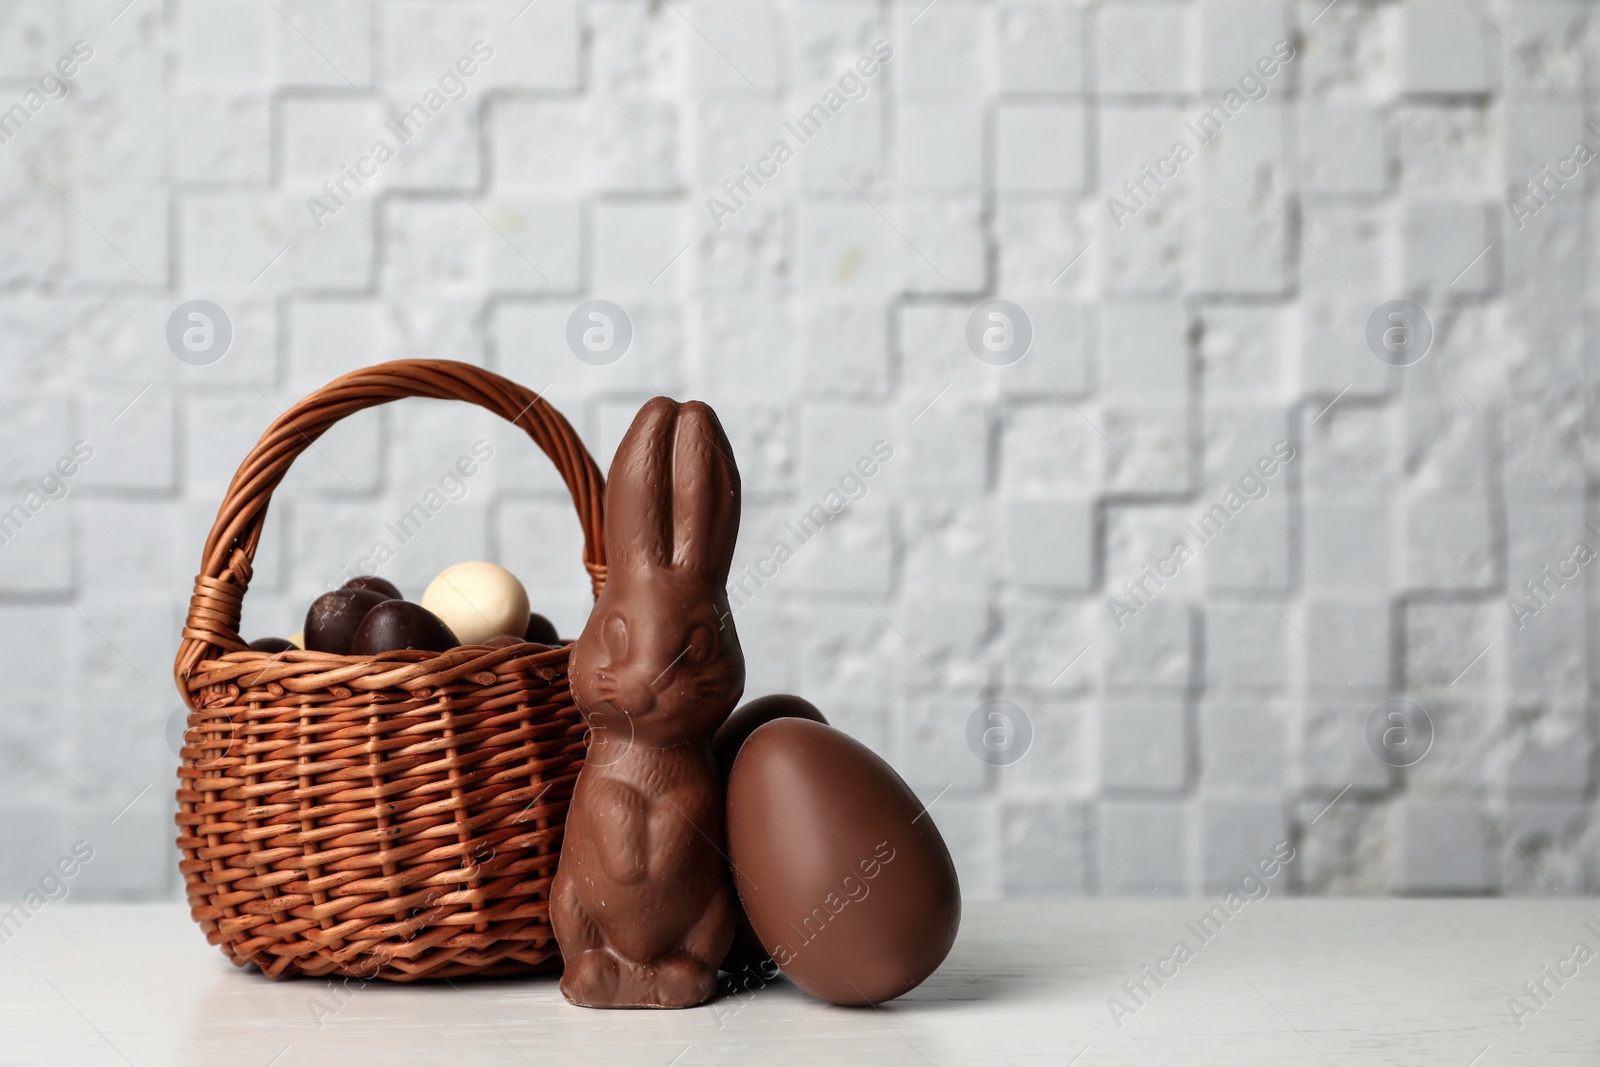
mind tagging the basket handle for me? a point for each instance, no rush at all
(213, 620)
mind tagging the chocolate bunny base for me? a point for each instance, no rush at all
(642, 905)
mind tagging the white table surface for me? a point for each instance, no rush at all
(1285, 982)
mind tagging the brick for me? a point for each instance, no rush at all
(1444, 847)
(1242, 745)
(844, 246)
(933, 54)
(1039, 148)
(635, 241)
(1347, 543)
(1143, 747)
(1046, 245)
(1142, 49)
(33, 838)
(539, 47)
(1235, 837)
(1252, 551)
(1146, 350)
(1234, 37)
(941, 246)
(853, 555)
(1554, 33)
(1347, 451)
(224, 138)
(1549, 751)
(1049, 645)
(940, 147)
(233, 240)
(1448, 546)
(1333, 350)
(1241, 351)
(1039, 48)
(1446, 47)
(1061, 754)
(224, 43)
(971, 830)
(118, 237)
(1343, 149)
(1348, 643)
(1142, 848)
(848, 151)
(946, 449)
(1447, 247)
(1443, 642)
(1043, 451)
(736, 48)
(843, 649)
(933, 750)
(325, 43)
(1246, 647)
(844, 348)
(1050, 544)
(1043, 850)
(1330, 740)
(948, 547)
(553, 146)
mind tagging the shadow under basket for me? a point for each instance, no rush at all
(396, 816)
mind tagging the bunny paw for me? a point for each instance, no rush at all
(683, 981)
(592, 979)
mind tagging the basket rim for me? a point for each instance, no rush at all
(210, 632)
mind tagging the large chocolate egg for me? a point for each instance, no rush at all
(333, 617)
(840, 869)
(397, 624)
(746, 956)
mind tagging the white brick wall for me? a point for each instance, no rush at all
(1226, 312)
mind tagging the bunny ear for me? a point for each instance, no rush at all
(705, 494)
(638, 502)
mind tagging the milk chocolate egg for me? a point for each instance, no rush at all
(478, 601)
(747, 956)
(396, 624)
(271, 644)
(331, 623)
(376, 584)
(503, 641)
(843, 875)
(541, 630)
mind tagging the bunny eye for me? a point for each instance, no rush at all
(702, 644)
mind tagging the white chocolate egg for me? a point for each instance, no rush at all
(478, 601)
(298, 640)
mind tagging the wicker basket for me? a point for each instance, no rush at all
(395, 816)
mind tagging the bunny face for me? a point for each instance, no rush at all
(659, 658)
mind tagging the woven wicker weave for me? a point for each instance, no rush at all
(396, 816)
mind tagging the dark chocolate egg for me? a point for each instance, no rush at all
(271, 644)
(843, 875)
(747, 956)
(332, 621)
(376, 584)
(397, 624)
(541, 630)
(757, 713)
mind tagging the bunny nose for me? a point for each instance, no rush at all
(636, 698)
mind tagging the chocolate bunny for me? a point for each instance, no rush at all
(642, 904)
